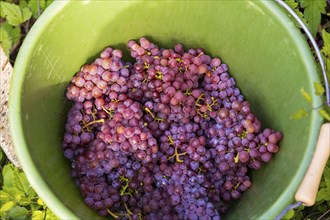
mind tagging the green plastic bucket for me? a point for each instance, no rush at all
(264, 50)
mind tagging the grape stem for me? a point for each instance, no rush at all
(159, 75)
(243, 135)
(133, 90)
(200, 169)
(127, 210)
(209, 106)
(187, 92)
(236, 158)
(124, 188)
(112, 214)
(149, 112)
(235, 187)
(93, 122)
(153, 116)
(170, 140)
(140, 216)
(93, 113)
(146, 65)
(177, 155)
(108, 111)
(200, 98)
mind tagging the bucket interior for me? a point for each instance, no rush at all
(265, 53)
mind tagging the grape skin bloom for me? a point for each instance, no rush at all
(169, 136)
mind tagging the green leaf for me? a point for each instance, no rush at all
(21, 181)
(14, 15)
(5, 41)
(1, 156)
(307, 96)
(50, 215)
(31, 194)
(326, 176)
(7, 206)
(301, 113)
(37, 215)
(312, 12)
(48, 2)
(12, 194)
(40, 202)
(326, 46)
(324, 114)
(322, 208)
(301, 207)
(299, 215)
(294, 6)
(18, 213)
(289, 214)
(14, 32)
(26, 14)
(8, 175)
(34, 207)
(33, 5)
(321, 195)
(4, 196)
(23, 3)
(319, 89)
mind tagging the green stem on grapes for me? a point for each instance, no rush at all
(209, 106)
(236, 158)
(127, 210)
(159, 119)
(108, 111)
(179, 60)
(243, 135)
(149, 112)
(125, 190)
(200, 169)
(153, 116)
(133, 90)
(187, 92)
(170, 140)
(146, 65)
(112, 214)
(93, 113)
(93, 122)
(203, 115)
(200, 98)
(177, 155)
(159, 75)
(140, 216)
(235, 187)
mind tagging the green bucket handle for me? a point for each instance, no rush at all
(307, 191)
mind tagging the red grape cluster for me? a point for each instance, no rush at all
(168, 137)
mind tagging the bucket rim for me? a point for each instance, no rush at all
(21, 146)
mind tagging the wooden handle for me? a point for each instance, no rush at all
(307, 190)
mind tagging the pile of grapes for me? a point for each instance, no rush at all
(168, 137)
